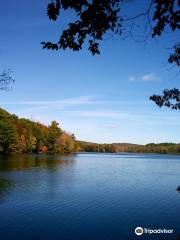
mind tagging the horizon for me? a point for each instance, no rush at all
(97, 99)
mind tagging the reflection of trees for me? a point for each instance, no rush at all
(23, 162)
(41, 179)
(5, 186)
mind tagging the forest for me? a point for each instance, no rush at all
(26, 136)
(131, 148)
(20, 135)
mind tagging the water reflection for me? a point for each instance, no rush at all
(23, 162)
(87, 196)
(5, 186)
(25, 173)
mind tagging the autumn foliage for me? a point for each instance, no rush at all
(23, 135)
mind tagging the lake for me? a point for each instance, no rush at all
(88, 196)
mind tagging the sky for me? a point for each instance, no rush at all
(104, 98)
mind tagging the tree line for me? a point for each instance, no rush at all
(26, 136)
(20, 135)
(131, 148)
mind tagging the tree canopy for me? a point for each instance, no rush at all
(170, 98)
(23, 135)
(95, 18)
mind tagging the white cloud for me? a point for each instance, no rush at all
(151, 77)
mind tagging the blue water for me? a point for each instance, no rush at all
(88, 196)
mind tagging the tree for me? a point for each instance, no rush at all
(53, 135)
(23, 135)
(170, 99)
(175, 56)
(6, 79)
(8, 133)
(94, 19)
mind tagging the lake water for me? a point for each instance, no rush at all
(88, 196)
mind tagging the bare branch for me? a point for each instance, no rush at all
(6, 79)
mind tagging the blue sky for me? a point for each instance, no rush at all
(102, 98)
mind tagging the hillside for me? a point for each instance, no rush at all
(23, 135)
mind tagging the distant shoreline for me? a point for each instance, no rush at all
(161, 148)
(84, 153)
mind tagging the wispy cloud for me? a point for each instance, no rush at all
(151, 77)
(96, 113)
(141, 118)
(63, 102)
(81, 100)
(36, 107)
(90, 109)
(123, 116)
